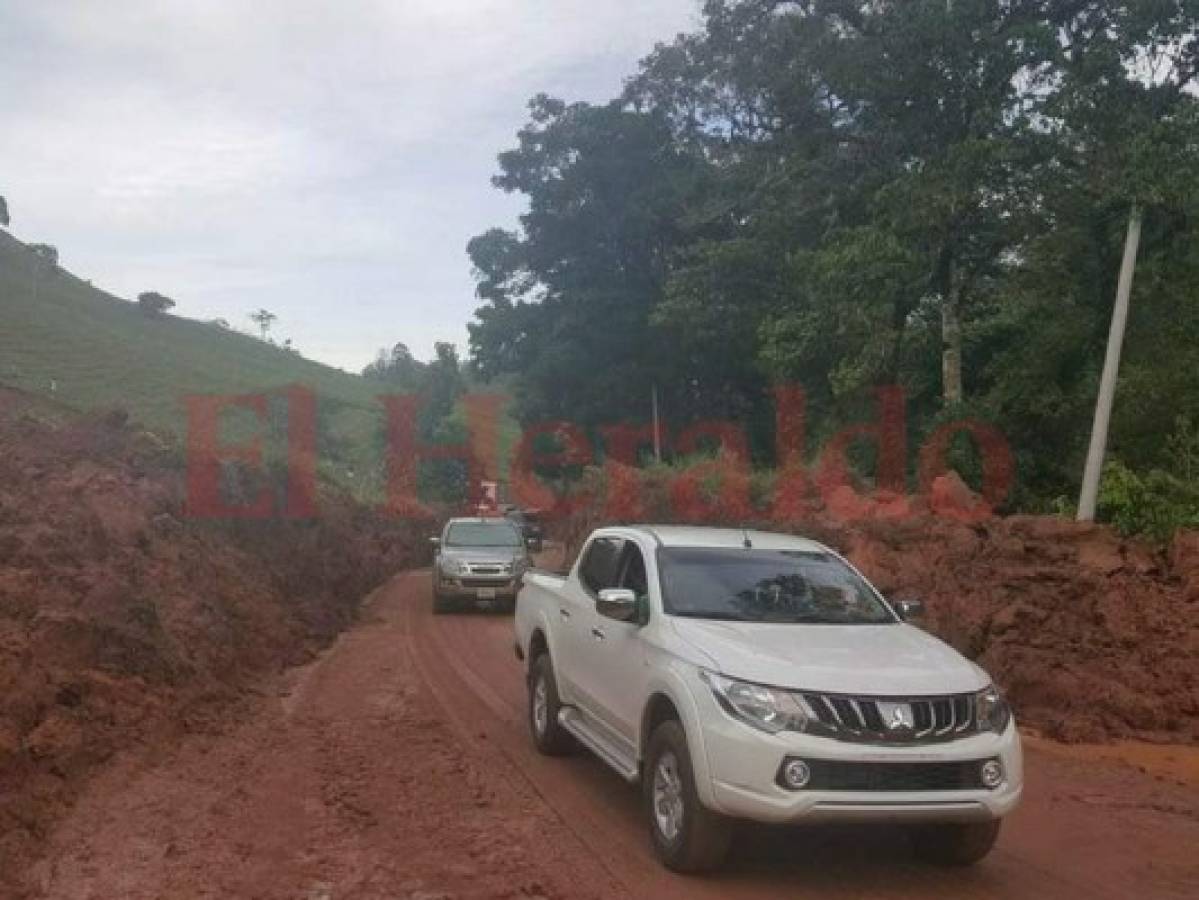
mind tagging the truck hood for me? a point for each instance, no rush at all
(879, 660)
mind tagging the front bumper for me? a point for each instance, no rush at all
(478, 587)
(743, 765)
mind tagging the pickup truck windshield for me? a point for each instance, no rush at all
(482, 534)
(777, 586)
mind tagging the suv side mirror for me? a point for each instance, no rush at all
(909, 609)
(617, 603)
(435, 542)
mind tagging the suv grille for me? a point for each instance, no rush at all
(892, 719)
(835, 775)
(485, 568)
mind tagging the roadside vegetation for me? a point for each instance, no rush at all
(844, 196)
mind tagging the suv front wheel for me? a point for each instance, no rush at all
(687, 836)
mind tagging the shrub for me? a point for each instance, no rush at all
(1155, 504)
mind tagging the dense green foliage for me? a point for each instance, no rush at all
(846, 195)
(440, 384)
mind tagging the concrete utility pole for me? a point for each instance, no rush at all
(1089, 495)
(653, 397)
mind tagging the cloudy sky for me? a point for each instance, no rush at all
(325, 160)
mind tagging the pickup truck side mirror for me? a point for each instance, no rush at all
(617, 603)
(909, 609)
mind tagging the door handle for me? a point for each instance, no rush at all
(565, 613)
(597, 633)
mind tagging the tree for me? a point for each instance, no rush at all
(153, 303)
(45, 254)
(4, 219)
(850, 194)
(263, 319)
(568, 298)
(396, 367)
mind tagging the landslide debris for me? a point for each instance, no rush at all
(123, 623)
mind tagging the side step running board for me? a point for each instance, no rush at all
(598, 743)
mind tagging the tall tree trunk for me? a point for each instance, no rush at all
(951, 348)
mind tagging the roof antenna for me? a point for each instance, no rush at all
(746, 542)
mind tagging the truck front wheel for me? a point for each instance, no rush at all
(687, 836)
(955, 845)
(549, 736)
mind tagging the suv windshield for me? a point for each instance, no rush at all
(778, 586)
(482, 534)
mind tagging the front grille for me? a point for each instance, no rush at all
(484, 582)
(485, 569)
(903, 720)
(836, 775)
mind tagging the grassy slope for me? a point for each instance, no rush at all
(102, 352)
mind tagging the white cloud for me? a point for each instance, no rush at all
(326, 160)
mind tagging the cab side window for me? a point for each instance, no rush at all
(599, 567)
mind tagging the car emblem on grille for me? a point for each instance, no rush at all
(898, 719)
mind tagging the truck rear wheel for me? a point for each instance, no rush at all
(687, 836)
(549, 736)
(955, 844)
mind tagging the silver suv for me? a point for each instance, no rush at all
(478, 559)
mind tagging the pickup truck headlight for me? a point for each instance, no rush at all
(991, 710)
(766, 709)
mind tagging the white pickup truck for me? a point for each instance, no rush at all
(747, 675)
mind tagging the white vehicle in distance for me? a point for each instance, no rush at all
(748, 675)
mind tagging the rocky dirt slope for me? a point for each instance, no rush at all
(123, 623)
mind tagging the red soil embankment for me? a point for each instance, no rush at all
(123, 623)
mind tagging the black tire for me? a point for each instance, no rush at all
(956, 844)
(701, 841)
(441, 603)
(549, 737)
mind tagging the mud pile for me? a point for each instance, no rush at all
(124, 623)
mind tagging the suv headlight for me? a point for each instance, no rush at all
(767, 709)
(991, 710)
(454, 567)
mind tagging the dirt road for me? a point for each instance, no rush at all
(398, 766)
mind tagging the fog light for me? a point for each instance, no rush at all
(991, 773)
(796, 774)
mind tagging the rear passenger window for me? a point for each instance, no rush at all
(598, 568)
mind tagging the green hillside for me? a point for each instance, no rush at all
(89, 350)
